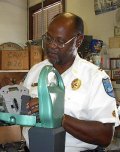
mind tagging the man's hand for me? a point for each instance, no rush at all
(33, 106)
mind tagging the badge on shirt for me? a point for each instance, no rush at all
(76, 83)
(108, 87)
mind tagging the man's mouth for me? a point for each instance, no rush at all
(52, 57)
(51, 54)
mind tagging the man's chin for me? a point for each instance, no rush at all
(52, 61)
(52, 58)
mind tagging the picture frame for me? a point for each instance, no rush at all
(115, 74)
(103, 6)
(116, 31)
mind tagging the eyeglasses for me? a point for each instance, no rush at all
(48, 39)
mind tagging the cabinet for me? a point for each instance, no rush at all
(12, 133)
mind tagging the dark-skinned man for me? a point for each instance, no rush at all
(90, 106)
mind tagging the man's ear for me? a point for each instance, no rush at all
(79, 40)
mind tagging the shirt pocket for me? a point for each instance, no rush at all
(76, 103)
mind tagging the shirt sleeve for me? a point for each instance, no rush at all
(102, 100)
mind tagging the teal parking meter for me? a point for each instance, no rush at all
(51, 98)
(51, 101)
(47, 135)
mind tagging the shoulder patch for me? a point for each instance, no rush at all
(108, 87)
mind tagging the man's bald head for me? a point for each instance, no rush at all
(70, 19)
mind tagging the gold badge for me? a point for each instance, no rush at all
(114, 114)
(76, 84)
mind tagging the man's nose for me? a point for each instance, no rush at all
(53, 43)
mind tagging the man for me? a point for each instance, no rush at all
(90, 107)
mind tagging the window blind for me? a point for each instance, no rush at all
(42, 18)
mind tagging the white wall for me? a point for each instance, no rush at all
(34, 2)
(13, 21)
(100, 26)
(13, 16)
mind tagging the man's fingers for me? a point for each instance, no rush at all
(33, 110)
(32, 106)
(32, 103)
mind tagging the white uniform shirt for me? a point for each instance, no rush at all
(89, 101)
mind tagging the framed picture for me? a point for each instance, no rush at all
(116, 74)
(103, 6)
(116, 31)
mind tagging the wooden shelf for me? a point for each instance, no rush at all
(1, 71)
(12, 76)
